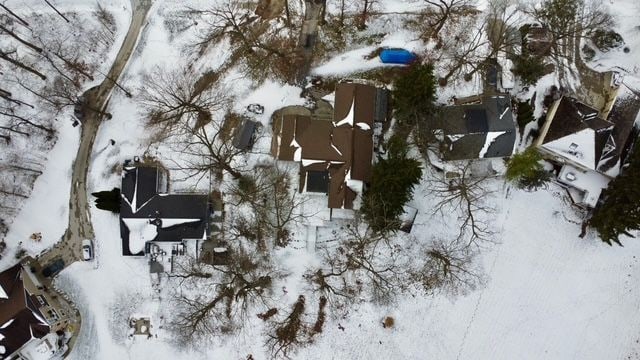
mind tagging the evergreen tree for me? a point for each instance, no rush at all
(528, 68)
(526, 171)
(391, 186)
(619, 213)
(108, 200)
(414, 94)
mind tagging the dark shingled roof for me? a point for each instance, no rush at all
(611, 135)
(26, 319)
(340, 148)
(243, 136)
(623, 115)
(467, 126)
(142, 181)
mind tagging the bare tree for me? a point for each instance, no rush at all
(362, 265)
(20, 39)
(569, 21)
(208, 149)
(274, 202)
(466, 54)
(175, 100)
(14, 15)
(448, 267)
(465, 194)
(225, 294)
(367, 8)
(501, 26)
(286, 335)
(261, 44)
(56, 10)
(441, 11)
(5, 55)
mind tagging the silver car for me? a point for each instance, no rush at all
(87, 250)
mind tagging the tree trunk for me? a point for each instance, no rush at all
(26, 121)
(74, 66)
(56, 10)
(17, 63)
(15, 131)
(25, 42)
(14, 15)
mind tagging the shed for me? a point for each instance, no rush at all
(243, 137)
(397, 56)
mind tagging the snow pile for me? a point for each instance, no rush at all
(140, 231)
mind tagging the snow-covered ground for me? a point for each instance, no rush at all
(545, 294)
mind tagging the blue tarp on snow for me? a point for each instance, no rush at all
(397, 56)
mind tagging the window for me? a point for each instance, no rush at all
(573, 146)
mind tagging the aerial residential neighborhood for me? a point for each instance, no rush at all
(319, 179)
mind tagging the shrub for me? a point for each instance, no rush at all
(526, 171)
(388, 322)
(606, 40)
(20, 253)
(588, 52)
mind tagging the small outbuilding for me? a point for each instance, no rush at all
(245, 134)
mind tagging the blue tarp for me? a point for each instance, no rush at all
(397, 56)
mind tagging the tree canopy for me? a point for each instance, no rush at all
(525, 170)
(391, 186)
(414, 94)
(108, 200)
(619, 213)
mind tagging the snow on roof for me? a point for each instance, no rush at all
(6, 324)
(140, 231)
(173, 222)
(363, 126)
(2, 349)
(348, 119)
(3, 294)
(578, 147)
(590, 182)
(307, 162)
(355, 185)
(491, 137)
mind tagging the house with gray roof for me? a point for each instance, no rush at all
(150, 215)
(481, 127)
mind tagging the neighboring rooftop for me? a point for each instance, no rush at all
(148, 213)
(335, 156)
(482, 129)
(20, 319)
(576, 132)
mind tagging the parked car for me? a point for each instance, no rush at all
(53, 268)
(87, 249)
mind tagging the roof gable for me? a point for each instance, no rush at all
(578, 147)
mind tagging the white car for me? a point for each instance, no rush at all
(87, 250)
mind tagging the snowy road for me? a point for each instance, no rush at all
(80, 227)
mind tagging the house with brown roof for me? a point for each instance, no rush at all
(28, 319)
(590, 149)
(335, 156)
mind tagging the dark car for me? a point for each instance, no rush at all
(53, 268)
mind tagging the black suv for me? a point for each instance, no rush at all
(53, 268)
